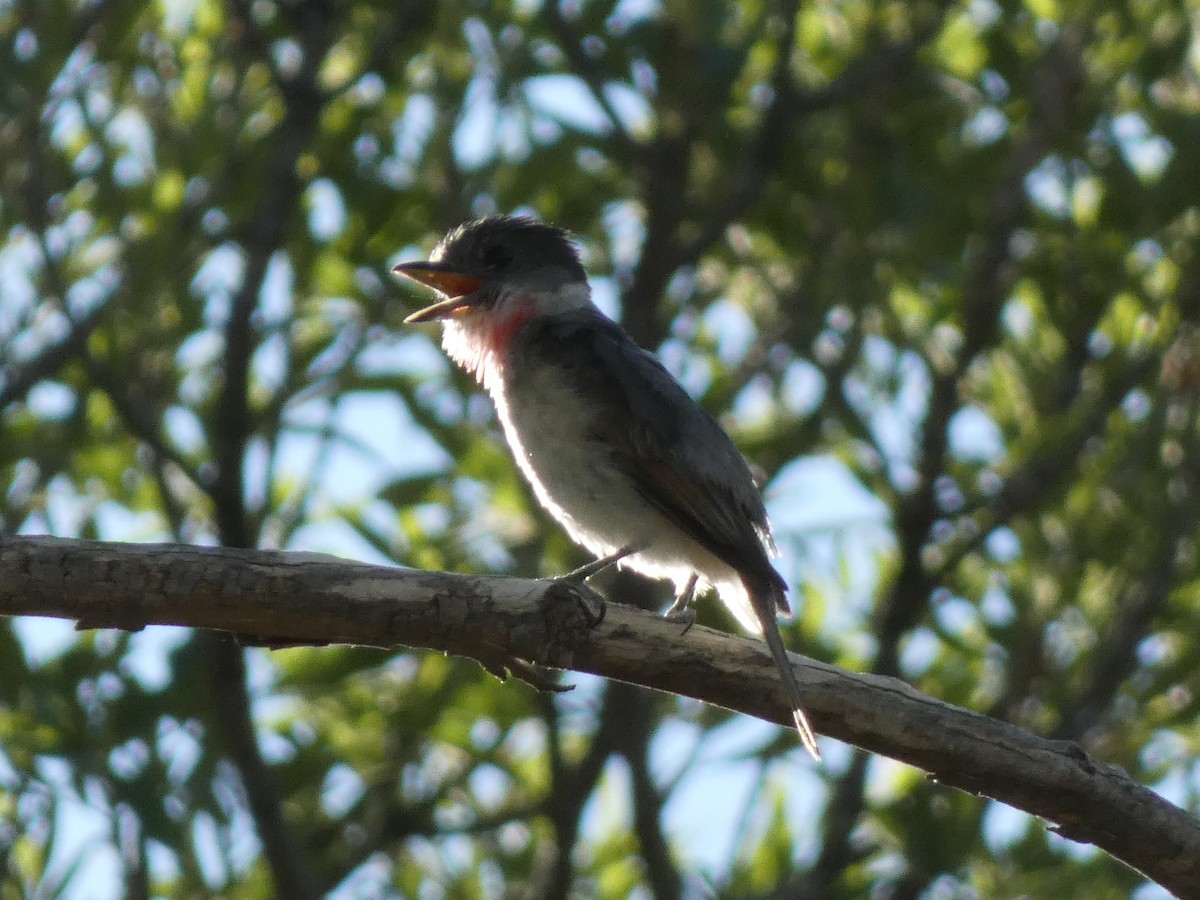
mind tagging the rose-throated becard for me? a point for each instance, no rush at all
(612, 445)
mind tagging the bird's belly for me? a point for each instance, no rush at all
(576, 479)
(572, 474)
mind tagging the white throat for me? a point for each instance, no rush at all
(479, 341)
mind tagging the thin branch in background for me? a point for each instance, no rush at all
(324, 377)
(570, 788)
(1114, 659)
(259, 238)
(984, 294)
(172, 510)
(775, 134)
(586, 70)
(763, 147)
(408, 18)
(138, 419)
(234, 424)
(291, 512)
(16, 378)
(846, 805)
(288, 517)
(234, 719)
(1044, 472)
(132, 846)
(640, 716)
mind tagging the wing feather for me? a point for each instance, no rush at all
(681, 460)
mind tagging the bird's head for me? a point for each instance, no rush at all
(500, 269)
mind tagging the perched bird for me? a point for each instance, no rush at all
(612, 445)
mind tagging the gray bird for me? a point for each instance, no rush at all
(612, 445)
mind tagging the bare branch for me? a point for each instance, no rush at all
(316, 599)
(227, 661)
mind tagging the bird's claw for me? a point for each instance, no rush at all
(685, 617)
(587, 594)
(681, 610)
(591, 602)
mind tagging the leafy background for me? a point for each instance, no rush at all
(934, 265)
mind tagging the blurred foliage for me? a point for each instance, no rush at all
(934, 264)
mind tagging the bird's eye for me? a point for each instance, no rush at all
(496, 257)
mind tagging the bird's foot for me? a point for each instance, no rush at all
(592, 603)
(571, 613)
(681, 610)
(595, 567)
(684, 617)
(589, 601)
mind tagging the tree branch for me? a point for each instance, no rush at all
(586, 70)
(319, 599)
(17, 378)
(227, 681)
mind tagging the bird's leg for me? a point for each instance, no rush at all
(681, 610)
(577, 580)
(595, 567)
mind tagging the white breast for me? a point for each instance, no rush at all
(547, 425)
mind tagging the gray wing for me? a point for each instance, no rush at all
(680, 458)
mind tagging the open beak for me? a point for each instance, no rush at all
(454, 286)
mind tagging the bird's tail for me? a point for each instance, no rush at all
(767, 600)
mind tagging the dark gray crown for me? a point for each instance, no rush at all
(500, 246)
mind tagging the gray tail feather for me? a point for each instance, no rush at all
(768, 599)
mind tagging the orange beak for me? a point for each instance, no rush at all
(454, 286)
